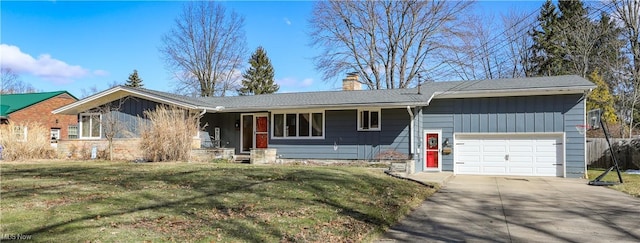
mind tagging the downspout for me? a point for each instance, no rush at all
(411, 130)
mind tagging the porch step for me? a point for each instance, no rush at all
(242, 158)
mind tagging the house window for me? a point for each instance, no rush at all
(20, 133)
(298, 125)
(90, 125)
(369, 120)
(73, 132)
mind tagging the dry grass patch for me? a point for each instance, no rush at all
(188, 202)
(25, 141)
(168, 133)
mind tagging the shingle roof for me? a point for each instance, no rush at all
(388, 97)
(10, 103)
(359, 98)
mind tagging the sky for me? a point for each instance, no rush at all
(81, 46)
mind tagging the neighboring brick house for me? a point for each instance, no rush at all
(36, 108)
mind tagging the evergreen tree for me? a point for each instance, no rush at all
(567, 41)
(258, 78)
(601, 98)
(577, 36)
(134, 80)
(547, 58)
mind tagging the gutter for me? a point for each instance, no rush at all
(510, 92)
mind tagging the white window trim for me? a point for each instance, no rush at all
(55, 132)
(297, 113)
(81, 126)
(77, 126)
(369, 129)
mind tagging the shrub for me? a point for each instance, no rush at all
(167, 134)
(36, 144)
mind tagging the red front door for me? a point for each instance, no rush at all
(261, 132)
(431, 150)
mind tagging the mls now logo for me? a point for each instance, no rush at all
(15, 237)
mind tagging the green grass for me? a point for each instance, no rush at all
(630, 186)
(196, 202)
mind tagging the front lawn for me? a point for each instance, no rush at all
(125, 202)
(630, 186)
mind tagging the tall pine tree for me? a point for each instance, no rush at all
(258, 78)
(568, 41)
(546, 48)
(134, 80)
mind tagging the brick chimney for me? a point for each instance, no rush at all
(351, 82)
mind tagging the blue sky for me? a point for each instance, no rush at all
(75, 45)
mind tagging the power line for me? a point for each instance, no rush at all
(501, 41)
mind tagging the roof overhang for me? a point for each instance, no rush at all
(511, 92)
(322, 107)
(117, 93)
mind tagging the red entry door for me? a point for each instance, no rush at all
(432, 150)
(261, 132)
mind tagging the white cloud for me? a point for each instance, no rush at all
(100, 72)
(44, 66)
(287, 21)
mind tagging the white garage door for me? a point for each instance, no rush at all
(527, 155)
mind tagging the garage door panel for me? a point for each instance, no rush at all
(470, 170)
(520, 160)
(469, 148)
(494, 170)
(493, 164)
(493, 159)
(510, 154)
(520, 171)
(546, 159)
(521, 148)
(546, 148)
(494, 148)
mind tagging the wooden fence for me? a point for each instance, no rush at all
(627, 152)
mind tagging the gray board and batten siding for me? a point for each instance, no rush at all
(343, 140)
(131, 109)
(508, 115)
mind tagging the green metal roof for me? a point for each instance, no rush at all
(10, 103)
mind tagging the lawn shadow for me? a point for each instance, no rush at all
(206, 187)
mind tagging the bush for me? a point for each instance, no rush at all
(167, 134)
(36, 145)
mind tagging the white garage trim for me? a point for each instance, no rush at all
(522, 154)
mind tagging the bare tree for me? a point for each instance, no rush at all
(10, 83)
(388, 43)
(628, 12)
(205, 48)
(113, 124)
(471, 52)
(518, 41)
(88, 92)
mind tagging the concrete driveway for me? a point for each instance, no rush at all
(521, 209)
